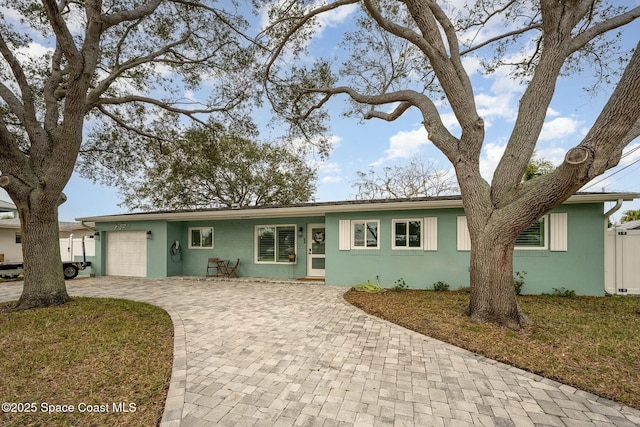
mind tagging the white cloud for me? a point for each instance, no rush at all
(491, 155)
(450, 121)
(552, 113)
(471, 64)
(553, 154)
(495, 106)
(503, 83)
(404, 145)
(335, 17)
(559, 128)
(331, 179)
(33, 50)
(329, 168)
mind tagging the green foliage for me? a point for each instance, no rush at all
(631, 215)
(537, 167)
(203, 169)
(440, 286)
(562, 292)
(368, 286)
(400, 285)
(518, 281)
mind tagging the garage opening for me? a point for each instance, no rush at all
(126, 253)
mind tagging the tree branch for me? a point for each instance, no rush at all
(500, 37)
(301, 23)
(438, 133)
(126, 126)
(143, 11)
(94, 95)
(165, 106)
(25, 110)
(618, 21)
(219, 14)
(399, 30)
(558, 23)
(51, 94)
(59, 27)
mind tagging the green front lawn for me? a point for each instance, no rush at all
(85, 363)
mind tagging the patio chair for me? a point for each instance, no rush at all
(212, 264)
(232, 271)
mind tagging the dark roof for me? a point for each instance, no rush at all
(305, 204)
(62, 225)
(337, 206)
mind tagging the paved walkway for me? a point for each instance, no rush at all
(282, 354)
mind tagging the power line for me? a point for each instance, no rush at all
(619, 170)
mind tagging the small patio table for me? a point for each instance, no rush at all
(223, 267)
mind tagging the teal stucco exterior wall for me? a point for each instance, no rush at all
(235, 239)
(419, 268)
(580, 268)
(157, 248)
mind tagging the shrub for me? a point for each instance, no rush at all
(400, 285)
(440, 286)
(562, 292)
(518, 281)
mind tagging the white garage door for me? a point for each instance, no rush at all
(127, 253)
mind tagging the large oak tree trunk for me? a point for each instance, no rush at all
(493, 296)
(43, 277)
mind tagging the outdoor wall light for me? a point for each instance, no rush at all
(300, 231)
(149, 234)
(96, 235)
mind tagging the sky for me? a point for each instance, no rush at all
(375, 143)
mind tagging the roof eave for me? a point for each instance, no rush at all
(324, 209)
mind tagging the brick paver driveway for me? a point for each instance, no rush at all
(278, 354)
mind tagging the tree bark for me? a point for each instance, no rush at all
(43, 277)
(493, 296)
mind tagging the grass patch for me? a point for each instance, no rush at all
(90, 352)
(590, 343)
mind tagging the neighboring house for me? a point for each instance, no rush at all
(8, 210)
(11, 237)
(630, 225)
(421, 240)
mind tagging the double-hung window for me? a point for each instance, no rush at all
(274, 243)
(365, 234)
(406, 234)
(201, 238)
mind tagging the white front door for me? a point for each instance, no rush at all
(315, 250)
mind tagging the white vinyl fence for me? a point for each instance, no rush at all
(622, 262)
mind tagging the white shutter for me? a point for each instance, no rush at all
(558, 232)
(344, 234)
(463, 240)
(431, 234)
